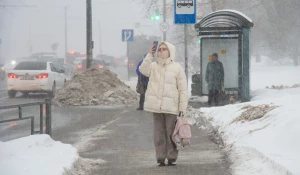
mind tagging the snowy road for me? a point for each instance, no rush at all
(3, 92)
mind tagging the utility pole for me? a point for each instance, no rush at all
(128, 75)
(89, 34)
(0, 49)
(100, 40)
(186, 51)
(30, 42)
(165, 18)
(66, 31)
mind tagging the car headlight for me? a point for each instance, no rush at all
(13, 62)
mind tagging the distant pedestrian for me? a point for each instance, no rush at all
(215, 78)
(141, 86)
(166, 97)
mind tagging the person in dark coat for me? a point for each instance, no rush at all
(141, 85)
(215, 79)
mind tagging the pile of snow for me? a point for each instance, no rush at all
(37, 154)
(263, 139)
(283, 87)
(132, 83)
(95, 87)
(254, 112)
(202, 99)
(260, 136)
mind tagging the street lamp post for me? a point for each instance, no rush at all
(89, 34)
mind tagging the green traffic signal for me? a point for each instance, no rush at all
(155, 18)
(199, 41)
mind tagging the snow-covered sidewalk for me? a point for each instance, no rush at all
(262, 136)
(37, 154)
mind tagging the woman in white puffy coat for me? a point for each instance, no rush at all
(166, 97)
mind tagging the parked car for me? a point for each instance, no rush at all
(78, 63)
(78, 60)
(99, 64)
(35, 77)
(107, 60)
(61, 64)
(132, 68)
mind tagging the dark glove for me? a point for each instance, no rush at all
(180, 114)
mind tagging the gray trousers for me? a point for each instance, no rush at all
(163, 130)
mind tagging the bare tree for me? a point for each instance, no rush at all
(276, 26)
(150, 6)
(283, 28)
(217, 4)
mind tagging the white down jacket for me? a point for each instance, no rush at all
(167, 87)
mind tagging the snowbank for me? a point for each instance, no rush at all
(95, 87)
(36, 154)
(132, 83)
(267, 145)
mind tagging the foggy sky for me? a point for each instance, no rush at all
(43, 25)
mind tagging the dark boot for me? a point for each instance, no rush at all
(210, 97)
(171, 162)
(216, 98)
(161, 163)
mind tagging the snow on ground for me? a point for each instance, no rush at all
(36, 154)
(202, 99)
(39, 154)
(268, 145)
(132, 83)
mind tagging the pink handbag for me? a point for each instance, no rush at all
(182, 132)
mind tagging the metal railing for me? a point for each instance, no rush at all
(47, 104)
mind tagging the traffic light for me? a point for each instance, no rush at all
(156, 17)
(199, 41)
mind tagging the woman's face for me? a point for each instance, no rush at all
(163, 52)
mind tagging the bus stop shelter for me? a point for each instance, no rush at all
(227, 32)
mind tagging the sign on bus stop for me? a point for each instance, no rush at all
(185, 11)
